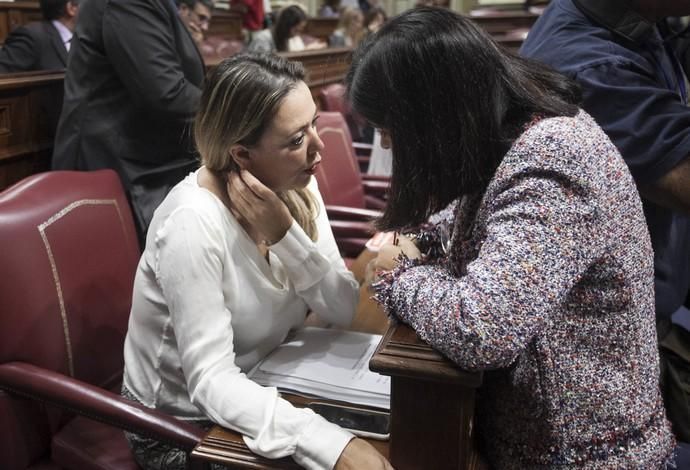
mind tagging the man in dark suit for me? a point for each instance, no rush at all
(132, 87)
(41, 45)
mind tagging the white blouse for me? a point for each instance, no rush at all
(207, 306)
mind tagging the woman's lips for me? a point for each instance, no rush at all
(312, 169)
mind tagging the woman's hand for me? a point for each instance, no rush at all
(259, 206)
(387, 257)
(359, 454)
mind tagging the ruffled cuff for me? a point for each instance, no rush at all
(433, 241)
(383, 288)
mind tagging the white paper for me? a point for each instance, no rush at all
(326, 363)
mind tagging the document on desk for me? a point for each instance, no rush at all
(326, 363)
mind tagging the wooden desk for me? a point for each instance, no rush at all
(226, 23)
(432, 403)
(323, 66)
(499, 21)
(321, 28)
(18, 13)
(30, 105)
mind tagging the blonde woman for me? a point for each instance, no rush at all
(236, 255)
(350, 29)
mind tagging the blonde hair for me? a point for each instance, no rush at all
(241, 96)
(348, 15)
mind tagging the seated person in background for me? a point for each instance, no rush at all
(41, 45)
(329, 9)
(374, 19)
(236, 256)
(285, 36)
(196, 16)
(546, 279)
(350, 29)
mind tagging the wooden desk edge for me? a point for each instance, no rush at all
(401, 353)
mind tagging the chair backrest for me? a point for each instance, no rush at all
(339, 178)
(332, 98)
(69, 253)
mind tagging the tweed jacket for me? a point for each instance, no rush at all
(548, 287)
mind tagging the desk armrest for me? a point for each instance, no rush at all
(96, 403)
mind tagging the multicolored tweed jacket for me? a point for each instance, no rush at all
(548, 287)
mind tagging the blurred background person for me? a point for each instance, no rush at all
(374, 19)
(350, 29)
(196, 16)
(330, 9)
(41, 45)
(253, 16)
(285, 35)
(132, 87)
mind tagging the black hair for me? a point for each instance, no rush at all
(453, 101)
(191, 3)
(288, 18)
(54, 9)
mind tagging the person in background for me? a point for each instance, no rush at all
(330, 9)
(634, 86)
(237, 255)
(253, 16)
(350, 29)
(132, 87)
(41, 45)
(374, 19)
(286, 34)
(196, 16)
(542, 277)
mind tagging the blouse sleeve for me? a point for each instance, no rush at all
(189, 269)
(541, 235)
(318, 271)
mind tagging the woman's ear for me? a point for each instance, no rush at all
(240, 155)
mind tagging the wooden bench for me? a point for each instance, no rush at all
(30, 105)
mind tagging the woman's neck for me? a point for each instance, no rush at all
(216, 183)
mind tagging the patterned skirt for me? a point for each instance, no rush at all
(151, 454)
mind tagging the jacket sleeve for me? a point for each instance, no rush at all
(19, 53)
(542, 233)
(138, 38)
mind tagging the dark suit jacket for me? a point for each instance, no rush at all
(132, 87)
(35, 46)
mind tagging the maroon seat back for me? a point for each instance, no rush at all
(332, 98)
(339, 178)
(69, 254)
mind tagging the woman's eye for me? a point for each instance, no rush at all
(298, 141)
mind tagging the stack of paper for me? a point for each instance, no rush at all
(332, 364)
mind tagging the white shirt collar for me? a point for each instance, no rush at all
(65, 33)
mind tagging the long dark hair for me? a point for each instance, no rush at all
(453, 101)
(288, 18)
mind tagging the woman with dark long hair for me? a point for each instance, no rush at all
(541, 275)
(285, 35)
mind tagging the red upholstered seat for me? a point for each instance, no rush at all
(351, 200)
(69, 254)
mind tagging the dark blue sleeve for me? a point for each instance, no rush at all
(648, 123)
